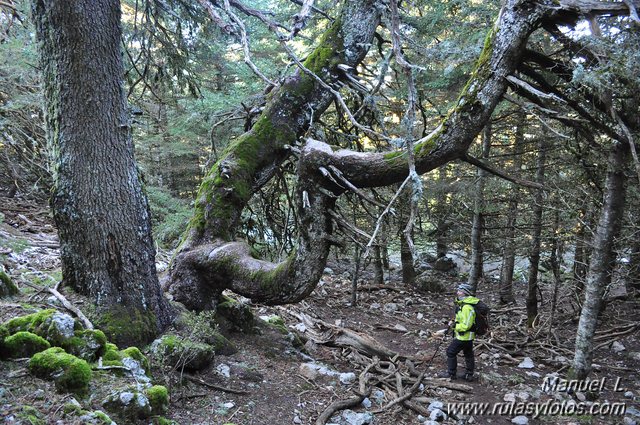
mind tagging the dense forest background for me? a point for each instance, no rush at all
(521, 215)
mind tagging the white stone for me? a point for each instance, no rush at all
(509, 397)
(297, 420)
(520, 420)
(628, 421)
(64, 323)
(527, 363)
(354, 418)
(390, 307)
(438, 415)
(224, 370)
(580, 396)
(229, 405)
(366, 403)
(629, 394)
(126, 397)
(436, 404)
(419, 316)
(347, 378)
(300, 327)
(308, 371)
(618, 347)
(524, 396)
(400, 328)
(328, 270)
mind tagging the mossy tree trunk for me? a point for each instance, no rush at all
(209, 261)
(99, 205)
(602, 259)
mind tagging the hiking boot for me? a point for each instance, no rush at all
(470, 377)
(447, 375)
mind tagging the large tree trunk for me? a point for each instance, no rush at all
(509, 249)
(99, 206)
(581, 256)
(602, 259)
(207, 263)
(477, 264)
(534, 256)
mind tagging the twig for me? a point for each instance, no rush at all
(86, 322)
(213, 386)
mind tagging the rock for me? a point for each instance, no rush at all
(435, 405)
(524, 395)
(234, 316)
(629, 394)
(618, 347)
(429, 282)
(297, 420)
(129, 404)
(378, 396)
(375, 306)
(366, 403)
(444, 264)
(309, 371)
(223, 370)
(580, 396)
(180, 352)
(68, 372)
(353, 418)
(632, 411)
(635, 355)
(527, 363)
(520, 420)
(24, 344)
(438, 415)
(158, 397)
(347, 378)
(390, 307)
(7, 287)
(328, 271)
(629, 421)
(509, 397)
(419, 316)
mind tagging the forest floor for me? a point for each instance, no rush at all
(291, 377)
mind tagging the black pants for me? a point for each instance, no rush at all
(452, 356)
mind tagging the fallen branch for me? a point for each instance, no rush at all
(213, 386)
(65, 302)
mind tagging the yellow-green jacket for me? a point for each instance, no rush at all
(465, 318)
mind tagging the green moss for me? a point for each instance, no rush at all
(31, 322)
(25, 344)
(183, 353)
(73, 409)
(111, 352)
(88, 344)
(278, 324)
(329, 52)
(7, 287)
(102, 417)
(31, 415)
(137, 355)
(161, 420)
(127, 327)
(69, 372)
(158, 399)
(4, 332)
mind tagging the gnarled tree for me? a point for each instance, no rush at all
(210, 260)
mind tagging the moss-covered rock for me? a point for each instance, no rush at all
(88, 344)
(158, 396)
(50, 324)
(129, 404)
(135, 354)
(68, 372)
(7, 287)
(4, 332)
(31, 415)
(179, 353)
(24, 344)
(234, 316)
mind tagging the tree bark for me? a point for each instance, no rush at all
(602, 259)
(534, 256)
(509, 250)
(477, 229)
(99, 207)
(406, 256)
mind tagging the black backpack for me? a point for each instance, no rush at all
(481, 324)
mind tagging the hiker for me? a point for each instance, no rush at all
(463, 332)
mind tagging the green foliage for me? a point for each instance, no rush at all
(169, 216)
(68, 372)
(7, 287)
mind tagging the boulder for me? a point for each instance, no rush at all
(179, 352)
(444, 264)
(7, 287)
(129, 404)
